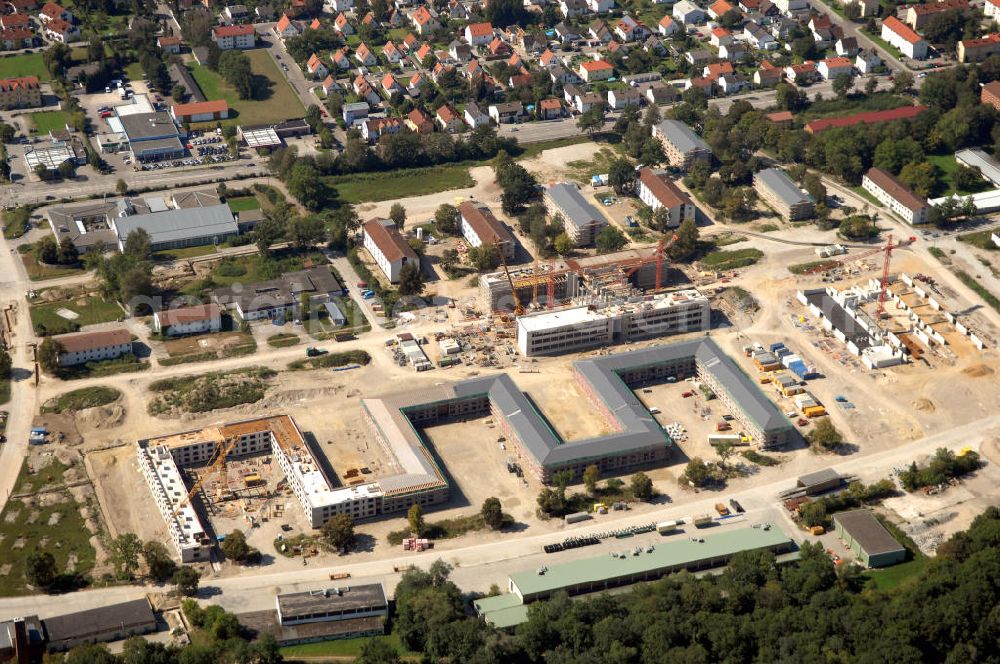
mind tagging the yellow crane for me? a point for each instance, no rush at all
(518, 309)
(214, 464)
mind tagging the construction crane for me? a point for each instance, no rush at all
(214, 465)
(661, 248)
(518, 309)
(885, 249)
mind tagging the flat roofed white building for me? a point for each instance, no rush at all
(587, 326)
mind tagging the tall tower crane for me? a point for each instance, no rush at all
(217, 461)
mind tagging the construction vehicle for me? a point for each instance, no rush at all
(722, 509)
(312, 351)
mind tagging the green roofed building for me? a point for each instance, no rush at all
(862, 533)
(628, 566)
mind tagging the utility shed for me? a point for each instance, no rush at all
(820, 481)
(863, 534)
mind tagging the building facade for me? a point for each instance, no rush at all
(657, 191)
(82, 347)
(198, 319)
(782, 194)
(897, 196)
(582, 222)
(388, 248)
(480, 226)
(681, 145)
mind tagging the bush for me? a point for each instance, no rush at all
(943, 466)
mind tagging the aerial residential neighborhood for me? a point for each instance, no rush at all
(558, 330)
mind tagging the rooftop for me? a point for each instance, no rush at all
(385, 236)
(783, 187)
(866, 530)
(899, 191)
(345, 598)
(574, 206)
(489, 229)
(82, 341)
(175, 225)
(106, 618)
(681, 136)
(867, 117)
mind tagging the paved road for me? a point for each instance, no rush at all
(479, 565)
(852, 29)
(549, 130)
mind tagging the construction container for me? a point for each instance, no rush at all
(722, 509)
(665, 527)
(576, 517)
(817, 530)
(775, 347)
(814, 411)
(702, 520)
(731, 438)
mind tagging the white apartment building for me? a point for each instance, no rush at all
(657, 190)
(897, 196)
(480, 226)
(589, 326)
(228, 37)
(388, 247)
(188, 320)
(83, 347)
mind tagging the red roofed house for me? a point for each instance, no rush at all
(15, 21)
(549, 109)
(83, 347)
(424, 51)
(991, 94)
(342, 25)
(767, 75)
(410, 42)
(480, 227)
(365, 56)
(917, 16)
(904, 38)
(717, 69)
(169, 44)
(228, 37)
(340, 59)
(449, 120)
(388, 248)
(668, 26)
(61, 31)
(499, 47)
(15, 38)
(868, 117)
(718, 9)
(805, 71)
(913, 209)
(21, 6)
(831, 68)
(992, 9)
(424, 21)
(329, 85)
(391, 53)
(596, 70)
(51, 11)
(286, 27)
(315, 25)
(478, 34)
(197, 319)
(977, 50)
(391, 85)
(419, 122)
(316, 67)
(200, 111)
(657, 190)
(720, 37)
(21, 92)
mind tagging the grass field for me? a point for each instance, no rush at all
(282, 340)
(946, 186)
(374, 187)
(47, 121)
(341, 648)
(96, 310)
(134, 72)
(282, 104)
(897, 575)
(185, 252)
(250, 269)
(731, 260)
(27, 64)
(882, 101)
(39, 272)
(243, 203)
(85, 397)
(979, 239)
(865, 194)
(23, 529)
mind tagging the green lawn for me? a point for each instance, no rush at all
(882, 101)
(28, 64)
(22, 529)
(979, 239)
(96, 310)
(282, 104)
(85, 397)
(374, 187)
(341, 647)
(282, 340)
(731, 260)
(947, 166)
(185, 252)
(257, 267)
(134, 72)
(47, 121)
(243, 203)
(893, 577)
(863, 193)
(39, 272)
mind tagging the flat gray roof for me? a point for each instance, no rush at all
(147, 126)
(175, 225)
(576, 209)
(82, 624)
(819, 477)
(976, 157)
(865, 529)
(783, 187)
(350, 598)
(681, 135)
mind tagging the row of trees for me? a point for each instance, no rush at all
(943, 466)
(553, 501)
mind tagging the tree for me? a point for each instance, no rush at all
(398, 215)
(339, 531)
(870, 85)
(6, 363)
(641, 486)
(485, 257)
(411, 280)
(591, 474)
(305, 231)
(696, 472)
(842, 85)
(66, 170)
(621, 176)
(236, 548)
(724, 450)
(562, 244)
(902, 81)
(591, 120)
(236, 70)
(178, 92)
(90, 654)
(852, 11)
(267, 231)
(967, 179)
(920, 177)
(492, 513)
(610, 239)
(125, 552)
(121, 187)
(48, 354)
(686, 244)
(68, 255)
(813, 184)
(449, 259)
(378, 651)
(40, 569)
(158, 561)
(46, 250)
(415, 517)
(186, 579)
(446, 219)
(825, 436)
(308, 187)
